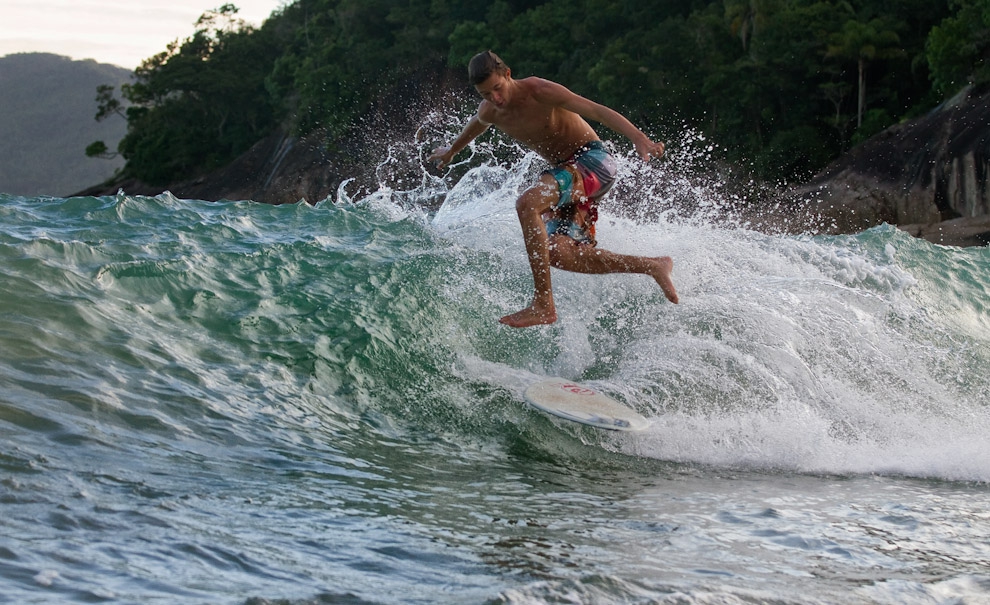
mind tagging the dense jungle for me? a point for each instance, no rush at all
(780, 87)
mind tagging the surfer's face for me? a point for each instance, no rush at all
(495, 89)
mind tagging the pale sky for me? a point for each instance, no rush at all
(121, 32)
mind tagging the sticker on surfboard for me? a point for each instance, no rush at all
(578, 403)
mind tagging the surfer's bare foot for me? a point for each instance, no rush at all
(530, 316)
(664, 266)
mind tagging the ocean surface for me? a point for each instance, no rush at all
(314, 403)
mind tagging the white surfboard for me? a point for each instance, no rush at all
(578, 403)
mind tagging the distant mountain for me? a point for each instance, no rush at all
(47, 104)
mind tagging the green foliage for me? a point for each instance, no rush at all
(958, 49)
(99, 149)
(782, 85)
(199, 103)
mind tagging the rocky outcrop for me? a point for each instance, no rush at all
(965, 231)
(283, 168)
(279, 169)
(930, 176)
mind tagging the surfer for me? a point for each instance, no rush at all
(558, 213)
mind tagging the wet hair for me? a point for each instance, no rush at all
(483, 65)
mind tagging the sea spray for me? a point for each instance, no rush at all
(814, 353)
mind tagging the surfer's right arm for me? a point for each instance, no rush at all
(472, 130)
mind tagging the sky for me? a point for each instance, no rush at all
(119, 32)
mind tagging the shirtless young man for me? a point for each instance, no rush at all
(558, 213)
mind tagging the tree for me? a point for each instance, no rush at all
(199, 103)
(864, 42)
(107, 105)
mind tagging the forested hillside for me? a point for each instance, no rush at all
(780, 87)
(47, 122)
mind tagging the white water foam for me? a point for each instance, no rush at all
(815, 354)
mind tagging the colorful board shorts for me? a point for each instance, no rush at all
(576, 218)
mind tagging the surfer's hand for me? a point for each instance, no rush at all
(647, 149)
(441, 156)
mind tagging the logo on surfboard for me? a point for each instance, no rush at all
(576, 389)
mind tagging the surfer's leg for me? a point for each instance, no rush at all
(530, 207)
(567, 254)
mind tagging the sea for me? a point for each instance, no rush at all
(314, 403)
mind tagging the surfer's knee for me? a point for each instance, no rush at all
(562, 250)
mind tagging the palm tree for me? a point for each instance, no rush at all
(863, 43)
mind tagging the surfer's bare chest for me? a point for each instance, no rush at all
(538, 126)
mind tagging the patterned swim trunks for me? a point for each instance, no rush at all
(576, 218)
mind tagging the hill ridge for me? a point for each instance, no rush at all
(49, 104)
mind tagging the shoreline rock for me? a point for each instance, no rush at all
(929, 176)
(962, 232)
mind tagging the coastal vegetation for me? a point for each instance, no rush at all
(780, 87)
